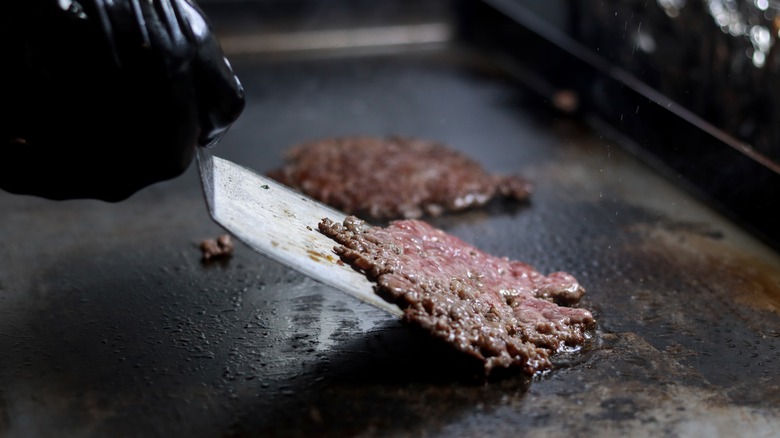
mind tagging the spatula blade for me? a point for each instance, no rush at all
(281, 224)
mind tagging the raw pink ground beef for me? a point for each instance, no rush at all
(500, 311)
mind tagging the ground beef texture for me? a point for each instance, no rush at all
(500, 311)
(395, 177)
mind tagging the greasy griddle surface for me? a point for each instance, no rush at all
(110, 323)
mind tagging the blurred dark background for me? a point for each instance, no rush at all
(692, 87)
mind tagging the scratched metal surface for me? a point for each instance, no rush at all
(111, 325)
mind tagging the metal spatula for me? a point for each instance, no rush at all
(281, 224)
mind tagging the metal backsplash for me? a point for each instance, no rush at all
(717, 58)
(691, 86)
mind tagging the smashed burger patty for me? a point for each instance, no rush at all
(500, 311)
(393, 178)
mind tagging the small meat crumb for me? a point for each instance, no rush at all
(221, 247)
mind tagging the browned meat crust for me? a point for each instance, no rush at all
(500, 311)
(393, 178)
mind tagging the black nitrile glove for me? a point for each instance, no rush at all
(105, 97)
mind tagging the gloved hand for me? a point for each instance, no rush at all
(105, 97)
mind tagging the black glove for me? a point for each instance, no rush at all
(105, 97)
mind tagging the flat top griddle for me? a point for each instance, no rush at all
(111, 325)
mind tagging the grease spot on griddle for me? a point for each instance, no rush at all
(748, 280)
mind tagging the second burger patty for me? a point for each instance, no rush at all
(391, 178)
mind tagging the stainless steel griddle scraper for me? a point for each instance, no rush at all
(281, 224)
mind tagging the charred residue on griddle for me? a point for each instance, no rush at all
(703, 306)
(701, 302)
(738, 277)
